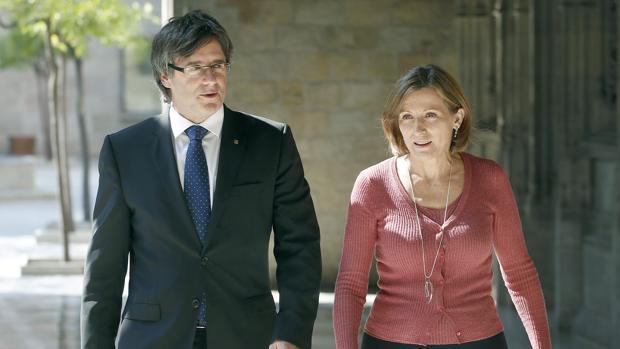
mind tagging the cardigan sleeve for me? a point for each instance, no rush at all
(517, 268)
(352, 281)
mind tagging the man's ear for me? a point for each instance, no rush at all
(165, 81)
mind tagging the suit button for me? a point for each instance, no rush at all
(203, 261)
(196, 303)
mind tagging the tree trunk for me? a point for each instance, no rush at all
(42, 78)
(62, 117)
(58, 142)
(81, 118)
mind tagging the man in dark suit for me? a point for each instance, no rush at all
(188, 200)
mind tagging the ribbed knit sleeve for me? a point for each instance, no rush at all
(352, 281)
(517, 268)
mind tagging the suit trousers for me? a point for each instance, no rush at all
(200, 339)
(496, 342)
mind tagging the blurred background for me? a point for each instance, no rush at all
(541, 75)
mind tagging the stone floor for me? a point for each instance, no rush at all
(45, 314)
(43, 311)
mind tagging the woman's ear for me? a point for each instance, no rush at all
(459, 116)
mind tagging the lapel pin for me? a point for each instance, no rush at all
(235, 141)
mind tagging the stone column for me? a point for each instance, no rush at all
(545, 34)
(568, 257)
(504, 28)
(538, 219)
(568, 235)
(518, 123)
(584, 232)
(477, 46)
(615, 277)
(517, 143)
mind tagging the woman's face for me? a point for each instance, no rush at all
(426, 123)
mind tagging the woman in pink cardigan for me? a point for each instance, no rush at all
(433, 215)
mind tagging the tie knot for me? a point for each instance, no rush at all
(196, 133)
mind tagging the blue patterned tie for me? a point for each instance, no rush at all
(197, 194)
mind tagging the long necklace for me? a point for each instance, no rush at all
(428, 284)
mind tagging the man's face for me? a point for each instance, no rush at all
(198, 97)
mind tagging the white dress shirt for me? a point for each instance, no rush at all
(210, 143)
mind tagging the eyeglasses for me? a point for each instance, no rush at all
(220, 68)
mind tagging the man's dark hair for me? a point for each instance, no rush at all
(181, 37)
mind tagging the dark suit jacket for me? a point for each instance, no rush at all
(141, 219)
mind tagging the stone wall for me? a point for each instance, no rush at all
(325, 67)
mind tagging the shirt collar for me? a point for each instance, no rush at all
(179, 124)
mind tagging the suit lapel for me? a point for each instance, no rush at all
(164, 159)
(232, 149)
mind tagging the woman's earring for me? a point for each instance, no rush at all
(454, 133)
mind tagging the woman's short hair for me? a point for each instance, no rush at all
(416, 79)
(181, 37)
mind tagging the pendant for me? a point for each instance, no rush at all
(428, 290)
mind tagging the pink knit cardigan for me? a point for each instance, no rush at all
(485, 219)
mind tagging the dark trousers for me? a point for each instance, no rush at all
(200, 339)
(496, 342)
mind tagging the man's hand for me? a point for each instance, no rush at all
(282, 345)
